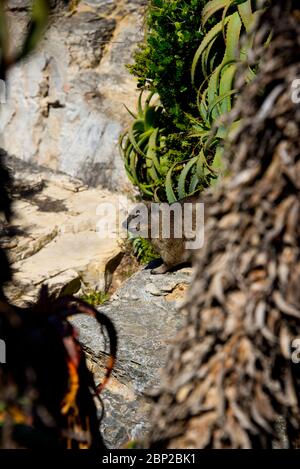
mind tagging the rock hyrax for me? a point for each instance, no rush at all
(171, 228)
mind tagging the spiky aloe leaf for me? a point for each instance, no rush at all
(202, 167)
(226, 87)
(130, 112)
(219, 100)
(194, 183)
(183, 178)
(152, 161)
(149, 99)
(210, 36)
(217, 164)
(202, 105)
(233, 33)
(213, 6)
(171, 197)
(213, 94)
(150, 117)
(207, 61)
(135, 143)
(140, 106)
(147, 189)
(132, 167)
(247, 17)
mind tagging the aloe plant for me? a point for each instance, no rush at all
(216, 93)
(139, 146)
(162, 64)
(151, 166)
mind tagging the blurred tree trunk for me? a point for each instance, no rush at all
(230, 375)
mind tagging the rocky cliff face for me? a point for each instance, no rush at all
(145, 313)
(65, 105)
(55, 234)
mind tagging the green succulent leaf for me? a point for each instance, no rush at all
(159, 160)
(210, 36)
(171, 197)
(183, 178)
(247, 17)
(152, 160)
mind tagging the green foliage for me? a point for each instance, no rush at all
(174, 149)
(163, 61)
(143, 250)
(134, 444)
(157, 160)
(159, 145)
(140, 145)
(217, 57)
(95, 298)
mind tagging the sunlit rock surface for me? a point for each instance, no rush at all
(144, 311)
(55, 229)
(65, 105)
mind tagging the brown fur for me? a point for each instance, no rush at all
(172, 250)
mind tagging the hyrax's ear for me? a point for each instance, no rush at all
(137, 221)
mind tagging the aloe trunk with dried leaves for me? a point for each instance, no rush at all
(230, 374)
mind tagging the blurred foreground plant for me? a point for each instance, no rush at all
(46, 391)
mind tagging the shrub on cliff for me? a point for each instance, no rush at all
(163, 62)
(189, 60)
(158, 145)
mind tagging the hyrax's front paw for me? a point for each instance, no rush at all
(162, 269)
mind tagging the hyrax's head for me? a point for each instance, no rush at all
(138, 221)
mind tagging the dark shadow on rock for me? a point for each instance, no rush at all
(158, 262)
